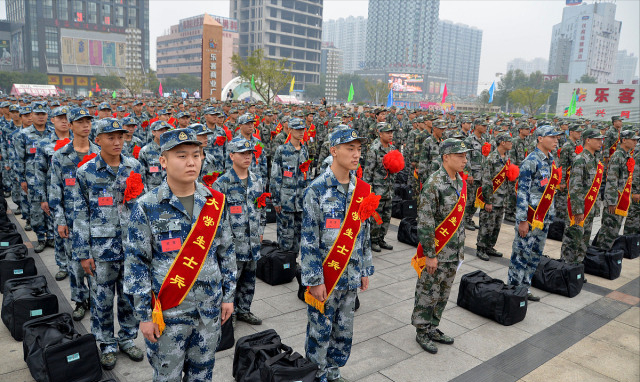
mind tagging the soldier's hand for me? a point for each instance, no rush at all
(319, 292)
(227, 311)
(150, 331)
(278, 209)
(431, 264)
(45, 208)
(579, 218)
(523, 229)
(63, 231)
(562, 186)
(470, 179)
(364, 283)
(636, 198)
(23, 185)
(488, 207)
(612, 210)
(88, 265)
(7, 168)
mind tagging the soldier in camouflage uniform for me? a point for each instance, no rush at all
(329, 335)
(517, 154)
(149, 157)
(245, 130)
(287, 184)
(17, 193)
(215, 148)
(617, 175)
(186, 348)
(98, 236)
(528, 244)
(5, 129)
(130, 124)
(492, 213)
(474, 170)
(281, 137)
(430, 159)
(242, 190)
(381, 182)
(183, 118)
(632, 224)
(438, 197)
(566, 158)
(611, 138)
(583, 170)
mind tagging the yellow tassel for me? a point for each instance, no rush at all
(621, 212)
(418, 263)
(537, 224)
(156, 316)
(478, 203)
(314, 302)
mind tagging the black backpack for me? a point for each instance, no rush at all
(491, 298)
(557, 277)
(556, 230)
(606, 264)
(16, 264)
(55, 351)
(245, 367)
(26, 298)
(408, 231)
(275, 266)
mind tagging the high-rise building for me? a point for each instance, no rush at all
(402, 34)
(625, 71)
(349, 35)
(331, 67)
(528, 66)
(73, 41)
(458, 57)
(288, 29)
(585, 42)
(180, 51)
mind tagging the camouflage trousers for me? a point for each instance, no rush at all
(525, 255)
(510, 201)
(245, 286)
(289, 230)
(379, 232)
(6, 179)
(186, 350)
(490, 224)
(107, 280)
(431, 295)
(42, 223)
(63, 257)
(632, 224)
(78, 280)
(609, 229)
(575, 241)
(329, 335)
(470, 209)
(560, 203)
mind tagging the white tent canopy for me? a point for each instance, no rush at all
(34, 90)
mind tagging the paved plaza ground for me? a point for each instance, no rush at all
(594, 336)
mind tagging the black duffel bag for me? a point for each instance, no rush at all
(286, 367)
(409, 209)
(25, 299)
(558, 277)
(301, 288)
(245, 367)
(491, 298)
(226, 336)
(606, 264)
(629, 244)
(271, 212)
(275, 266)
(408, 231)
(7, 227)
(16, 264)
(16, 248)
(396, 207)
(55, 351)
(402, 191)
(556, 230)
(10, 238)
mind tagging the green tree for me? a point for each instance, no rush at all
(586, 79)
(377, 90)
(183, 81)
(152, 81)
(529, 98)
(270, 76)
(483, 100)
(7, 79)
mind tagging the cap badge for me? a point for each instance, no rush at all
(462, 145)
(246, 144)
(353, 134)
(182, 136)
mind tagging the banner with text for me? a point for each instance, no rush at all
(600, 102)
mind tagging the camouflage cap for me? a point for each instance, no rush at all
(592, 134)
(58, 111)
(85, 104)
(480, 121)
(164, 111)
(296, 124)
(384, 127)
(440, 124)
(175, 137)
(5, 104)
(285, 119)
(246, 118)
(548, 131)
(25, 110)
(615, 118)
(503, 137)
(347, 135)
(182, 114)
(109, 125)
(298, 113)
(40, 107)
(14, 108)
(628, 134)
(240, 145)
(129, 121)
(137, 102)
(159, 125)
(200, 129)
(120, 108)
(104, 106)
(453, 146)
(77, 113)
(575, 127)
(211, 111)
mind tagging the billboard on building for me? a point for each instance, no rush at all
(408, 83)
(600, 102)
(5, 52)
(92, 48)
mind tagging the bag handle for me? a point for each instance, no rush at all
(277, 358)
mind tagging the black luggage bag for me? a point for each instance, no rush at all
(271, 212)
(26, 298)
(409, 209)
(56, 352)
(396, 207)
(245, 367)
(408, 231)
(15, 248)
(275, 266)
(557, 277)
(15, 264)
(7, 227)
(226, 336)
(606, 264)
(491, 298)
(556, 230)
(10, 238)
(629, 244)
(286, 367)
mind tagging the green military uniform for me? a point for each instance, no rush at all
(474, 169)
(632, 224)
(566, 157)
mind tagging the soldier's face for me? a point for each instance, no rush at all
(593, 144)
(39, 118)
(130, 128)
(617, 124)
(105, 113)
(182, 163)
(548, 143)
(61, 123)
(297, 134)
(164, 117)
(466, 126)
(210, 118)
(386, 136)
(219, 119)
(242, 160)
(27, 120)
(347, 155)
(157, 133)
(246, 128)
(14, 115)
(137, 109)
(184, 121)
(81, 127)
(111, 143)
(203, 138)
(628, 144)
(455, 162)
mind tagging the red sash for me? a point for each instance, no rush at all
(497, 182)
(590, 198)
(613, 148)
(188, 262)
(338, 257)
(624, 198)
(536, 217)
(444, 232)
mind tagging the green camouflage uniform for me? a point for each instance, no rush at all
(474, 168)
(632, 224)
(567, 157)
(381, 183)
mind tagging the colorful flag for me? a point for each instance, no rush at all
(160, 89)
(390, 98)
(444, 93)
(351, 92)
(114, 94)
(293, 81)
(253, 83)
(491, 90)
(572, 104)
(97, 87)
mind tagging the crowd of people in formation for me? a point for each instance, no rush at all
(157, 207)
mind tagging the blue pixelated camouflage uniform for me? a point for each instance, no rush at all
(149, 158)
(218, 154)
(259, 166)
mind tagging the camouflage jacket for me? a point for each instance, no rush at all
(258, 165)
(100, 211)
(325, 199)
(437, 199)
(287, 182)
(635, 186)
(26, 144)
(41, 167)
(430, 159)
(278, 141)
(247, 221)
(610, 138)
(152, 171)
(128, 146)
(617, 175)
(218, 153)
(519, 150)
(159, 216)
(567, 157)
(63, 183)
(583, 171)
(374, 172)
(409, 146)
(493, 166)
(535, 173)
(475, 158)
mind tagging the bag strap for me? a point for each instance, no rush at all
(277, 358)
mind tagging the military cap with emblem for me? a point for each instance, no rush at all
(163, 112)
(182, 114)
(25, 110)
(480, 121)
(246, 118)
(104, 106)
(628, 134)
(40, 107)
(384, 127)
(211, 111)
(440, 124)
(503, 137)
(615, 118)
(339, 137)
(298, 113)
(137, 102)
(575, 127)
(5, 104)
(175, 137)
(296, 124)
(453, 146)
(129, 121)
(548, 131)
(591, 134)
(240, 145)
(86, 104)
(109, 125)
(159, 125)
(58, 111)
(200, 129)
(14, 108)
